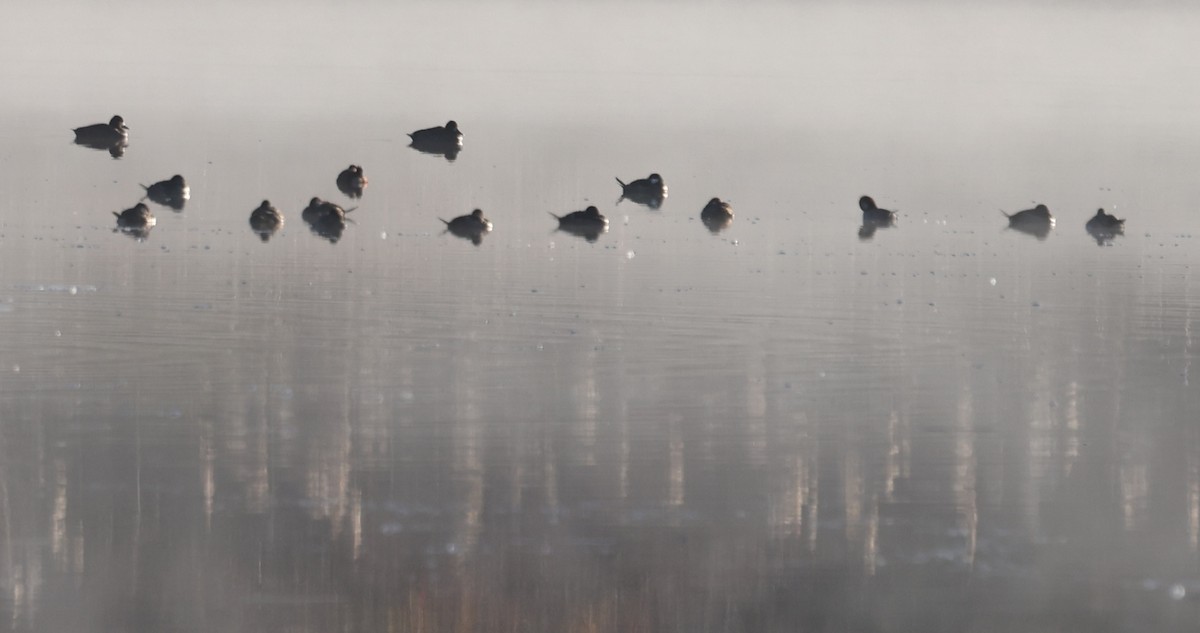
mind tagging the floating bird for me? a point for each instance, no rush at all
(588, 224)
(1036, 221)
(471, 227)
(325, 219)
(1104, 227)
(265, 220)
(169, 193)
(874, 215)
(135, 221)
(445, 140)
(649, 191)
(352, 181)
(717, 215)
(112, 137)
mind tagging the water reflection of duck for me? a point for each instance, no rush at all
(1036, 221)
(717, 215)
(112, 137)
(169, 193)
(136, 220)
(649, 191)
(471, 227)
(325, 219)
(589, 224)
(1104, 227)
(444, 140)
(352, 181)
(265, 220)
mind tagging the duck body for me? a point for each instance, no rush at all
(105, 134)
(325, 219)
(265, 220)
(717, 215)
(352, 181)
(1103, 227)
(1036, 221)
(589, 223)
(472, 226)
(650, 191)
(138, 216)
(173, 192)
(875, 216)
(445, 140)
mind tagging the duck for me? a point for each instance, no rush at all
(169, 193)
(103, 134)
(1104, 227)
(649, 191)
(472, 226)
(873, 215)
(717, 215)
(444, 140)
(1036, 221)
(265, 220)
(136, 217)
(352, 181)
(1105, 222)
(588, 223)
(325, 219)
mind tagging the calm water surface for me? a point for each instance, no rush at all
(950, 426)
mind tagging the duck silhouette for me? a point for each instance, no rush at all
(472, 226)
(589, 223)
(266, 220)
(1036, 221)
(649, 191)
(446, 140)
(717, 215)
(173, 192)
(352, 181)
(112, 137)
(1103, 227)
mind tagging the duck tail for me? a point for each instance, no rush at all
(620, 182)
(446, 222)
(116, 213)
(556, 217)
(1005, 213)
(349, 210)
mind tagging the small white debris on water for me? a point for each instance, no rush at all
(73, 290)
(629, 255)
(992, 281)
(383, 235)
(1178, 591)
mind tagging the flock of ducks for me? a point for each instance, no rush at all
(328, 219)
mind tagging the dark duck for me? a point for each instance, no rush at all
(717, 215)
(352, 181)
(472, 227)
(589, 223)
(446, 140)
(649, 191)
(169, 193)
(1036, 221)
(266, 220)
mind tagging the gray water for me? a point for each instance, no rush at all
(950, 426)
